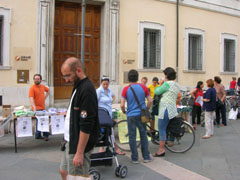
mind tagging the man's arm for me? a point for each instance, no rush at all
(47, 93)
(149, 103)
(122, 105)
(82, 143)
(32, 103)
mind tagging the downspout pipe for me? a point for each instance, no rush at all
(177, 37)
(83, 32)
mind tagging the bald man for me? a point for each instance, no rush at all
(82, 128)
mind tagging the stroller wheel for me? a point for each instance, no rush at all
(95, 174)
(123, 171)
(117, 170)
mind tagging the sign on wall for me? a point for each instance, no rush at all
(23, 76)
(22, 58)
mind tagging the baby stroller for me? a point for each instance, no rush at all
(106, 140)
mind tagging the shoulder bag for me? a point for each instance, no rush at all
(145, 114)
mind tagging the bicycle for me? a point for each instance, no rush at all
(181, 144)
(186, 98)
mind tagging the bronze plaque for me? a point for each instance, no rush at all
(23, 76)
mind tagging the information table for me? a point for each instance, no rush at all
(23, 126)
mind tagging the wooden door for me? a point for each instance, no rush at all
(67, 43)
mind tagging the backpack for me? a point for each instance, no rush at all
(176, 127)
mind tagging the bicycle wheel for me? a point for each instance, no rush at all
(228, 105)
(184, 143)
(121, 136)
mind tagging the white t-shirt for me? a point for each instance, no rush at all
(67, 119)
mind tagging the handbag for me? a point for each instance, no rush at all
(176, 127)
(145, 114)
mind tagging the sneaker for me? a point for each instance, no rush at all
(134, 162)
(39, 137)
(148, 160)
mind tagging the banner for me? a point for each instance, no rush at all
(43, 123)
(24, 126)
(57, 123)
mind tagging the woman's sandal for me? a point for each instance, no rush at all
(120, 153)
(159, 155)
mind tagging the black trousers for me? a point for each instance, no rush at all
(221, 109)
(197, 110)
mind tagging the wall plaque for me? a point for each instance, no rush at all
(23, 76)
(22, 58)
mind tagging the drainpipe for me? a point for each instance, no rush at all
(83, 32)
(177, 36)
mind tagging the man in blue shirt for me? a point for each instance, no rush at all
(134, 115)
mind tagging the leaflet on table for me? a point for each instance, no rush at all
(200, 100)
(57, 124)
(43, 123)
(24, 126)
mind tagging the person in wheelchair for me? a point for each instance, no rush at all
(105, 99)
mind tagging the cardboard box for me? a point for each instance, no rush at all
(6, 111)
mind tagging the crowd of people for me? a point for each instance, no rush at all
(82, 126)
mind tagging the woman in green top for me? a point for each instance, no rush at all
(167, 106)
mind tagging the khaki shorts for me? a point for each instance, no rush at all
(67, 163)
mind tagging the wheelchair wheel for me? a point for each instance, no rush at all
(121, 135)
(184, 143)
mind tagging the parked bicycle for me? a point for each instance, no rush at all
(180, 145)
(186, 98)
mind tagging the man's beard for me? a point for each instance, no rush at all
(37, 83)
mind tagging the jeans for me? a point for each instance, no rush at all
(38, 133)
(221, 109)
(162, 126)
(133, 122)
(232, 91)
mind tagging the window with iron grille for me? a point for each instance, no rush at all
(195, 52)
(152, 49)
(229, 55)
(1, 40)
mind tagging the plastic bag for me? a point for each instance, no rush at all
(233, 114)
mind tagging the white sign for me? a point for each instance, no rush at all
(24, 126)
(43, 123)
(200, 100)
(57, 123)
